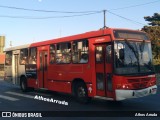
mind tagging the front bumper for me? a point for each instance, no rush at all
(126, 94)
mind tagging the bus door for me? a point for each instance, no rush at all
(103, 61)
(15, 75)
(42, 74)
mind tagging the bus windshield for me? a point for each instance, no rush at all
(133, 57)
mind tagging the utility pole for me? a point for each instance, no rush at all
(104, 12)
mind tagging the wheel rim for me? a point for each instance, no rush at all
(81, 92)
(23, 85)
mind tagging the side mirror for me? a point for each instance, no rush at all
(121, 54)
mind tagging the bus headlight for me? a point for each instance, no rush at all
(123, 86)
(152, 83)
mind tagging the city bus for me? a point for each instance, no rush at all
(110, 64)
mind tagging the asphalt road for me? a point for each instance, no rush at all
(12, 99)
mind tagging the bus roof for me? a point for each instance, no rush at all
(17, 47)
(73, 37)
(90, 34)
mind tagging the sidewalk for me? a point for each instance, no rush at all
(158, 79)
(4, 83)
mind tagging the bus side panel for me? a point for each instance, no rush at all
(8, 73)
(60, 76)
(22, 72)
(67, 72)
(92, 62)
(59, 86)
(32, 83)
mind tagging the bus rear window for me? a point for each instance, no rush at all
(124, 34)
(8, 59)
(24, 56)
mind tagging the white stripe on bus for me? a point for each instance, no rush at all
(8, 98)
(19, 94)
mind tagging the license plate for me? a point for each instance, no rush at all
(141, 93)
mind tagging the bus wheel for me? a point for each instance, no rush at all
(81, 93)
(23, 84)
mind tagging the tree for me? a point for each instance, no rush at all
(154, 20)
(153, 31)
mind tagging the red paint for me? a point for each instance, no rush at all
(59, 77)
(2, 58)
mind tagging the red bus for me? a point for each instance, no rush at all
(110, 64)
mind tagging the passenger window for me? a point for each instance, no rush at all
(108, 53)
(52, 54)
(8, 59)
(63, 53)
(99, 54)
(33, 56)
(80, 51)
(24, 56)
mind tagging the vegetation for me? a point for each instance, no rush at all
(153, 31)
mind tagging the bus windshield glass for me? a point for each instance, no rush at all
(133, 57)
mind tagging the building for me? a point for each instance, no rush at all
(2, 43)
(2, 56)
(2, 61)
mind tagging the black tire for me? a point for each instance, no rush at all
(23, 84)
(81, 93)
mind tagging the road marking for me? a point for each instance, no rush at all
(8, 98)
(19, 94)
(42, 94)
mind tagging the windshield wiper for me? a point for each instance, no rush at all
(134, 51)
(141, 47)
